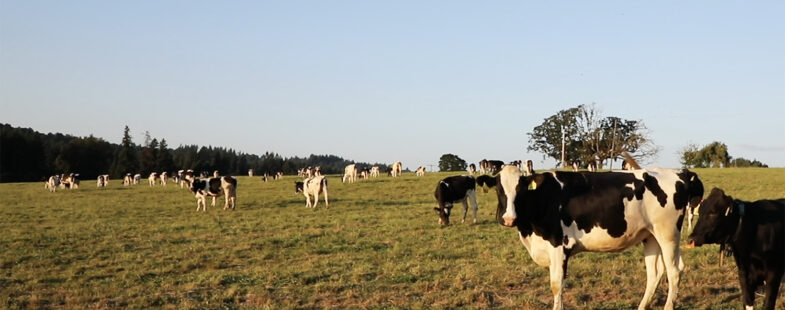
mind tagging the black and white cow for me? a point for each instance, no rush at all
(102, 180)
(452, 190)
(491, 166)
(215, 187)
(755, 232)
(472, 169)
(313, 187)
(486, 182)
(52, 183)
(559, 214)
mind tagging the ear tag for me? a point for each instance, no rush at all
(532, 185)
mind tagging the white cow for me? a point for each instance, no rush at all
(375, 171)
(164, 178)
(52, 183)
(420, 171)
(153, 178)
(137, 178)
(127, 179)
(313, 187)
(349, 174)
(397, 167)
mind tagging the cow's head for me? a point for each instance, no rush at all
(444, 208)
(197, 184)
(717, 222)
(298, 187)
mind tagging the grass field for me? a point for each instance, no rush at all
(378, 246)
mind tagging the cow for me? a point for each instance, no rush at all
(452, 190)
(164, 178)
(102, 180)
(755, 232)
(375, 171)
(70, 181)
(188, 177)
(397, 168)
(127, 179)
(472, 169)
(491, 166)
(349, 174)
(365, 173)
(216, 174)
(592, 167)
(137, 178)
(250, 172)
(420, 171)
(215, 187)
(153, 178)
(486, 182)
(529, 169)
(52, 183)
(317, 171)
(313, 187)
(560, 214)
(278, 175)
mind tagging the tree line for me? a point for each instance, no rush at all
(714, 155)
(27, 155)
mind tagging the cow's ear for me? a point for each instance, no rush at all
(535, 181)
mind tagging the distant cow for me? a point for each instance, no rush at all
(349, 173)
(102, 180)
(164, 178)
(491, 166)
(250, 172)
(529, 169)
(153, 178)
(137, 178)
(397, 168)
(313, 187)
(472, 169)
(755, 232)
(127, 179)
(188, 177)
(559, 214)
(452, 190)
(215, 187)
(375, 171)
(71, 181)
(52, 183)
(420, 171)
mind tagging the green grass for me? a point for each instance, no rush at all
(378, 246)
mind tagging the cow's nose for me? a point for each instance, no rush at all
(509, 221)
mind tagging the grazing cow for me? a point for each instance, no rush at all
(575, 166)
(397, 167)
(529, 169)
(592, 167)
(52, 183)
(215, 187)
(452, 190)
(102, 180)
(420, 171)
(559, 214)
(278, 175)
(472, 169)
(250, 172)
(71, 181)
(164, 178)
(375, 171)
(127, 179)
(755, 232)
(313, 187)
(187, 179)
(216, 174)
(349, 174)
(365, 173)
(137, 178)
(153, 178)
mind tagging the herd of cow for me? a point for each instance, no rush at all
(558, 214)
(561, 213)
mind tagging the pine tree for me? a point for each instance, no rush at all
(125, 159)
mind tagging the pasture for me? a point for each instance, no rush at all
(379, 245)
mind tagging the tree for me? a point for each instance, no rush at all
(585, 136)
(125, 159)
(689, 156)
(165, 161)
(148, 156)
(450, 162)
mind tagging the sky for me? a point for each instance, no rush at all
(407, 81)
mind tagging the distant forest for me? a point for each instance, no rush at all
(27, 155)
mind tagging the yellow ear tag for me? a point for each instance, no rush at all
(532, 185)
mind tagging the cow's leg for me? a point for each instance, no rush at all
(326, 202)
(748, 286)
(465, 209)
(557, 268)
(213, 204)
(315, 199)
(654, 269)
(773, 280)
(669, 245)
(473, 197)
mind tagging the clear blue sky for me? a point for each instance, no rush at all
(397, 81)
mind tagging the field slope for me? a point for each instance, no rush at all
(378, 246)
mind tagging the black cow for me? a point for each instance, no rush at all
(755, 233)
(455, 189)
(486, 182)
(559, 214)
